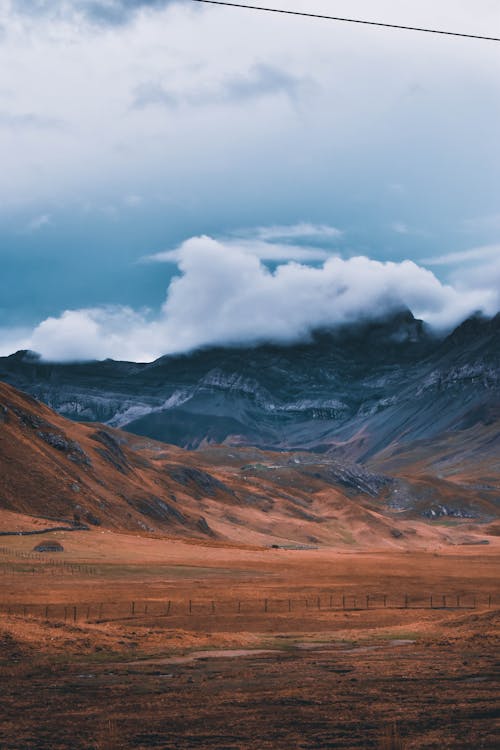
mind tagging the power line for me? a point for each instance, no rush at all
(349, 20)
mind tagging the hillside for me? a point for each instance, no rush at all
(80, 475)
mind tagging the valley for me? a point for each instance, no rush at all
(118, 667)
(319, 575)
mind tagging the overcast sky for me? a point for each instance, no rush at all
(284, 172)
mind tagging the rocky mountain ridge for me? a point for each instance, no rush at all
(355, 391)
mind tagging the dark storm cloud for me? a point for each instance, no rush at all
(101, 12)
(260, 81)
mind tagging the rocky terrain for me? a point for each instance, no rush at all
(360, 391)
(321, 571)
(84, 476)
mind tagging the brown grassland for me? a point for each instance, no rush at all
(235, 599)
(142, 642)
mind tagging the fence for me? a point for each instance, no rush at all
(60, 566)
(96, 612)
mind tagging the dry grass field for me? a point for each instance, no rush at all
(128, 641)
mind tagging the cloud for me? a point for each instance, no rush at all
(102, 12)
(302, 230)
(481, 276)
(224, 294)
(259, 81)
(96, 333)
(268, 243)
(262, 80)
(478, 268)
(474, 255)
(30, 121)
(173, 56)
(261, 249)
(151, 94)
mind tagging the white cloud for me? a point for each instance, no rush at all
(475, 269)
(302, 230)
(224, 294)
(96, 333)
(70, 128)
(99, 12)
(474, 255)
(258, 248)
(257, 82)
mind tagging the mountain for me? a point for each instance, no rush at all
(61, 474)
(357, 390)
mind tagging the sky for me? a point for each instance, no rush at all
(176, 174)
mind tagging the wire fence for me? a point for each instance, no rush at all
(106, 611)
(60, 566)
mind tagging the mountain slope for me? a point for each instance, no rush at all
(355, 391)
(60, 472)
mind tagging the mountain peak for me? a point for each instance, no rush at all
(25, 355)
(474, 326)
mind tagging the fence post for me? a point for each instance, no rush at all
(74, 614)
(239, 607)
(168, 607)
(431, 604)
(190, 607)
(343, 602)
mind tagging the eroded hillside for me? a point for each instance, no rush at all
(89, 475)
